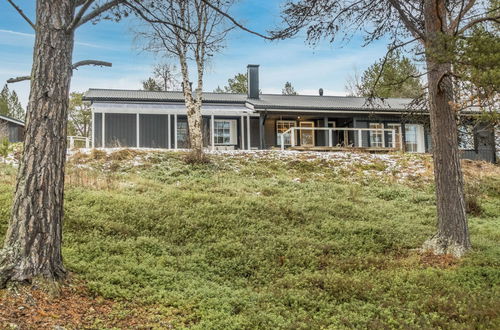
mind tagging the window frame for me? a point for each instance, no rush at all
(377, 137)
(278, 133)
(227, 138)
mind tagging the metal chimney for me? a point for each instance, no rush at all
(253, 81)
(321, 92)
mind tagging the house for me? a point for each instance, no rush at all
(144, 119)
(12, 129)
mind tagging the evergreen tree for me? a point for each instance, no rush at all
(238, 84)
(288, 89)
(397, 77)
(151, 85)
(10, 105)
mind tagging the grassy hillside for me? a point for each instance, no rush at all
(274, 241)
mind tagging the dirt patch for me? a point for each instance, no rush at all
(74, 307)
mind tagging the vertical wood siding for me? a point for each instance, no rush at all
(120, 130)
(153, 131)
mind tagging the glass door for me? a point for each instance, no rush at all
(306, 135)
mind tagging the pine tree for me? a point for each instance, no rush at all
(288, 89)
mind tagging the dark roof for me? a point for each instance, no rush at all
(313, 102)
(147, 96)
(266, 101)
(12, 120)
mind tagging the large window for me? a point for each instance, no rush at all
(376, 136)
(414, 138)
(395, 144)
(281, 127)
(225, 132)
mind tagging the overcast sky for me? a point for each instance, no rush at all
(325, 66)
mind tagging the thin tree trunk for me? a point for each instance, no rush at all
(193, 112)
(453, 235)
(33, 243)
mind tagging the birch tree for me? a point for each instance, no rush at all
(431, 28)
(190, 31)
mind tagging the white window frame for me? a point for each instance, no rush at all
(397, 127)
(279, 131)
(232, 132)
(377, 137)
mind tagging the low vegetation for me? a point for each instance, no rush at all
(265, 241)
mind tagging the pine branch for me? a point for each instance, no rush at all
(79, 15)
(98, 11)
(90, 62)
(18, 79)
(26, 18)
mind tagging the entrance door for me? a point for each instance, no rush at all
(306, 135)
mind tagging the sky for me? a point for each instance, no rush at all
(308, 68)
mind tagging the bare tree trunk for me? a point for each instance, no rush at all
(193, 112)
(33, 243)
(453, 235)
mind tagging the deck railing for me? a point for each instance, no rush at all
(396, 141)
(78, 142)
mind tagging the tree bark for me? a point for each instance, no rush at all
(452, 236)
(32, 247)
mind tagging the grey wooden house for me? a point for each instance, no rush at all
(144, 119)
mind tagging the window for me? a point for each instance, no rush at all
(376, 137)
(281, 127)
(466, 137)
(395, 144)
(225, 132)
(182, 134)
(414, 138)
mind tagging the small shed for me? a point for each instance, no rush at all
(12, 129)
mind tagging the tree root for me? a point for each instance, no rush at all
(440, 245)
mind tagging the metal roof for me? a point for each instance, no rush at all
(265, 101)
(12, 120)
(147, 96)
(313, 102)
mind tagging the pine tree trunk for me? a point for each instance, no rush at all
(33, 243)
(453, 235)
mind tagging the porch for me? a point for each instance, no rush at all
(340, 131)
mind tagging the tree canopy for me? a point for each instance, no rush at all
(80, 116)
(396, 77)
(10, 105)
(238, 84)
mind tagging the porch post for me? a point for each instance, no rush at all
(401, 147)
(93, 129)
(103, 130)
(169, 136)
(137, 130)
(175, 131)
(248, 134)
(360, 138)
(261, 131)
(328, 139)
(242, 125)
(212, 131)
(383, 136)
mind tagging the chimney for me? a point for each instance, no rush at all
(253, 81)
(321, 92)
